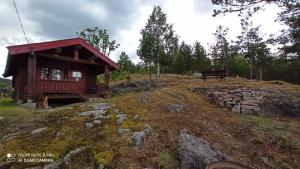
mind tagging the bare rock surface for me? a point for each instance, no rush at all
(140, 137)
(81, 157)
(96, 122)
(93, 112)
(196, 153)
(39, 130)
(121, 118)
(138, 85)
(102, 106)
(175, 108)
(29, 105)
(89, 125)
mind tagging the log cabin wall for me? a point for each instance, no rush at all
(20, 78)
(72, 78)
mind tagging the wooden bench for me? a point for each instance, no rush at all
(215, 74)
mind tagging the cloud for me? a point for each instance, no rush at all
(202, 7)
(58, 19)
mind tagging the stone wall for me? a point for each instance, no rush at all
(250, 100)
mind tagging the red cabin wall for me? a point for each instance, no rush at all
(88, 77)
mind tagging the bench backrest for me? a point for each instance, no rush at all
(214, 73)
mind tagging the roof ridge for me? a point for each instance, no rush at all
(51, 41)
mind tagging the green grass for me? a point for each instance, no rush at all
(281, 130)
(7, 103)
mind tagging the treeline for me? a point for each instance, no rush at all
(247, 56)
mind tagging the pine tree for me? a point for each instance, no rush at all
(200, 61)
(220, 50)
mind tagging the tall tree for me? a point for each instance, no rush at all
(220, 50)
(200, 60)
(156, 36)
(126, 64)
(253, 48)
(290, 38)
(99, 38)
(183, 59)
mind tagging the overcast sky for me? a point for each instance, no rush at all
(59, 19)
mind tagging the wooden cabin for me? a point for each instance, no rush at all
(59, 69)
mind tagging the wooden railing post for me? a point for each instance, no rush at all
(31, 79)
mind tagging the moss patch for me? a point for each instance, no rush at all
(104, 157)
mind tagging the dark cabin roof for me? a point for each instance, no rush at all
(27, 48)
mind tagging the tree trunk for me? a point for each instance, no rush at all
(251, 71)
(158, 70)
(260, 74)
(149, 69)
(158, 66)
(227, 71)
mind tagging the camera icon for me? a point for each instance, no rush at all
(11, 157)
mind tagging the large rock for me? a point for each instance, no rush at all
(81, 157)
(196, 153)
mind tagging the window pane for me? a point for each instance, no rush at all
(76, 74)
(56, 74)
(44, 73)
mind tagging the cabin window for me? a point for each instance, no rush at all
(56, 74)
(45, 73)
(76, 75)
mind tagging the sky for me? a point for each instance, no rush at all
(56, 19)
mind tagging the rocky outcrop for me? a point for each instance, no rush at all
(196, 153)
(102, 106)
(250, 100)
(93, 112)
(140, 85)
(81, 157)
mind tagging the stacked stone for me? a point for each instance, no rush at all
(249, 100)
(240, 100)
